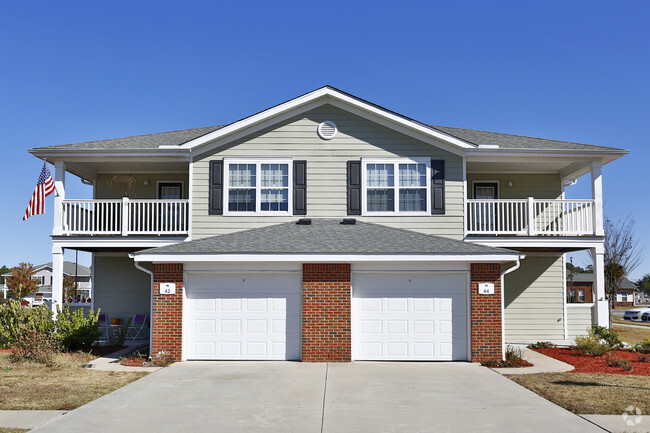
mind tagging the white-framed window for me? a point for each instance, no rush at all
(581, 295)
(396, 186)
(258, 186)
(623, 296)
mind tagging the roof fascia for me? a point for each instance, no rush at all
(606, 156)
(99, 154)
(306, 102)
(325, 258)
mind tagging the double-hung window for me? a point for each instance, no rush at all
(257, 186)
(399, 186)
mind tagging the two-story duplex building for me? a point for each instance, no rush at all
(328, 228)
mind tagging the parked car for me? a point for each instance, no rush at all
(637, 314)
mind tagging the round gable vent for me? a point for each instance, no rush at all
(327, 130)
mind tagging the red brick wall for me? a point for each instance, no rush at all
(580, 285)
(487, 341)
(326, 313)
(167, 318)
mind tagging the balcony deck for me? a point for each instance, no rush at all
(531, 217)
(125, 217)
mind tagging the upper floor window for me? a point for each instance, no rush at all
(396, 186)
(257, 187)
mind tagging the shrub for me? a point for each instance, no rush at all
(618, 362)
(642, 357)
(541, 345)
(14, 319)
(607, 336)
(34, 346)
(514, 359)
(643, 346)
(599, 341)
(76, 331)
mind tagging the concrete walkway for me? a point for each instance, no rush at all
(319, 397)
(620, 424)
(541, 364)
(111, 362)
(28, 419)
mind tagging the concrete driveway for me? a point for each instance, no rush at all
(313, 398)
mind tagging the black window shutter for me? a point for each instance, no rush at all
(437, 186)
(300, 187)
(354, 187)
(216, 188)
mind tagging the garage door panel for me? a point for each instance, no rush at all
(406, 317)
(243, 316)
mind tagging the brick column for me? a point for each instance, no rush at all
(487, 339)
(167, 320)
(326, 313)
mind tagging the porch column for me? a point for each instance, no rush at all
(59, 196)
(601, 312)
(57, 277)
(597, 196)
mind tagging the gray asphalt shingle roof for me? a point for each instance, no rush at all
(177, 138)
(68, 269)
(327, 236)
(148, 141)
(589, 278)
(510, 141)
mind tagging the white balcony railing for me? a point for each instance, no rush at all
(124, 217)
(531, 217)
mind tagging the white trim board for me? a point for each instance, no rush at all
(322, 258)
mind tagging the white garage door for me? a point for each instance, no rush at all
(243, 316)
(410, 317)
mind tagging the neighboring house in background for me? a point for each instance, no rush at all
(43, 274)
(327, 228)
(580, 290)
(626, 295)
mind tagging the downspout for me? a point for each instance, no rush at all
(503, 311)
(137, 265)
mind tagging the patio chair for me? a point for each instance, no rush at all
(103, 327)
(137, 325)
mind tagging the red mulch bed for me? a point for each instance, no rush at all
(135, 362)
(598, 364)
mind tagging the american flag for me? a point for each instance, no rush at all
(44, 187)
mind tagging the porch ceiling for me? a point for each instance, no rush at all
(90, 169)
(566, 168)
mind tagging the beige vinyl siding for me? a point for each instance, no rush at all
(106, 189)
(534, 300)
(119, 288)
(326, 171)
(579, 319)
(540, 186)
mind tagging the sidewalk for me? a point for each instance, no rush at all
(111, 362)
(541, 363)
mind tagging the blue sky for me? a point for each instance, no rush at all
(76, 71)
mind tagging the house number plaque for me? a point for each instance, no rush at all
(486, 288)
(167, 288)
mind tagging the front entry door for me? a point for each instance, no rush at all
(486, 212)
(172, 216)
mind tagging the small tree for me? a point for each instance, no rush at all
(644, 284)
(21, 282)
(69, 287)
(622, 255)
